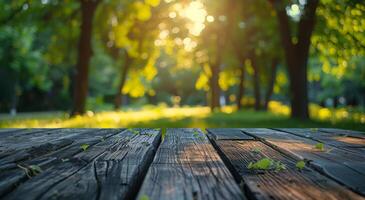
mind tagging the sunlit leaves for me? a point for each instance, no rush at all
(203, 82)
(150, 70)
(153, 3)
(134, 85)
(143, 11)
(338, 39)
(227, 78)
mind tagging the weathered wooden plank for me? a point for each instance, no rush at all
(15, 132)
(228, 134)
(52, 140)
(186, 166)
(287, 183)
(342, 141)
(28, 138)
(351, 133)
(7, 131)
(343, 166)
(110, 169)
(18, 148)
(48, 155)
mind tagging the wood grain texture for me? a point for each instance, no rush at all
(343, 166)
(289, 183)
(335, 139)
(228, 134)
(186, 166)
(46, 155)
(351, 133)
(111, 168)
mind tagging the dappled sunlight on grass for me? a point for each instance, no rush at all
(201, 117)
(112, 119)
(320, 113)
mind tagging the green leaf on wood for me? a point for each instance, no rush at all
(278, 166)
(144, 197)
(319, 146)
(145, 143)
(300, 164)
(314, 130)
(256, 150)
(135, 132)
(196, 134)
(30, 170)
(85, 146)
(267, 164)
(263, 164)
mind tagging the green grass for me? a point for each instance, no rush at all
(162, 117)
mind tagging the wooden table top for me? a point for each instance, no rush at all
(182, 163)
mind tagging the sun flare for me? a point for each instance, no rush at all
(196, 13)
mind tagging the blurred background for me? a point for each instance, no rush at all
(182, 63)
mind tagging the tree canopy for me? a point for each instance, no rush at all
(80, 55)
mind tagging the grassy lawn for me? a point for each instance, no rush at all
(157, 116)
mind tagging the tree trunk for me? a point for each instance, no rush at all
(214, 87)
(256, 80)
(241, 87)
(270, 87)
(296, 54)
(88, 8)
(123, 77)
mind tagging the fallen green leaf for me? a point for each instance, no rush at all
(145, 143)
(278, 166)
(35, 169)
(196, 134)
(256, 150)
(144, 197)
(84, 146)
(267, 164)
(319, 146)
(263, 164)
(135, 132)
(31, 170)
(314, 129)
(300, 164)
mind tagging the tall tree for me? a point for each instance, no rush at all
(296, 48)
(81, 82)
(271, 82)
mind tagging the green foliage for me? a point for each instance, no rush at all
(172, 46)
